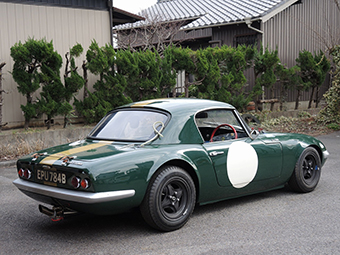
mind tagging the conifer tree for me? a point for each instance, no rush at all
(289, 79)
(313, 72)
(265, 63)
(109, 89)
(51, 101)
(233, 62)
(331, 113)
(30, 59)
(73, 82)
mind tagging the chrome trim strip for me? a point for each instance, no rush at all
(72, 195)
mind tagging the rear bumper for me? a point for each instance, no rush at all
(72, 195)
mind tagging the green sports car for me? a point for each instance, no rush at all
(165, 156)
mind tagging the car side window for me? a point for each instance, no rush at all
(219, 125)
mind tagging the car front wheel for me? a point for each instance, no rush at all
(169, 200)
(307, 171)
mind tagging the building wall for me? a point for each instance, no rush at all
(311, 25)
(87, 4)
(229, 35)
(64, 26)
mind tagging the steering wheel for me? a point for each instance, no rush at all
(222, 125)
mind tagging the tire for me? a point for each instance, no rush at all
(170, 199)
(307, 171)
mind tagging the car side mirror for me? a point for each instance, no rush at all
(254, 133)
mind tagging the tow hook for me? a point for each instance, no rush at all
(56, 213)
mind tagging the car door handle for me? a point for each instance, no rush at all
(215, 153)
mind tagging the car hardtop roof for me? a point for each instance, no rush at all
(172, 105)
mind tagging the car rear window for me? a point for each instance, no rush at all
(129, 125)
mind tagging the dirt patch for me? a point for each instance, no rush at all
(18, 142)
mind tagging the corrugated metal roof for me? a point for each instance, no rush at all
(207, 13)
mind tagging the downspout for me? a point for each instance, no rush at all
(110, 5)
(248, 23)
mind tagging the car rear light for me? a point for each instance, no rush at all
(25, 173)
(84, 183)
(21, 172)
(78, 182)
(75, 182)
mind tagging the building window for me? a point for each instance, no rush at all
(245, 39)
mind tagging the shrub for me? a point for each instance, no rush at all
(331, 113)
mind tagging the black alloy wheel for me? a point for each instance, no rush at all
(170, 199)
(307, 171)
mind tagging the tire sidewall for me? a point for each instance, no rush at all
(298, 179)
(158, 217)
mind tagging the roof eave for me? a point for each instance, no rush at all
(220, 24)
(121, 17)
(133, 26)
(280, 8)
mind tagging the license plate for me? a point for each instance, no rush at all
(51, 176)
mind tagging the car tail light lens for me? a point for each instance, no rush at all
(75, 182)
(21, 172)
(84, 183)
(25, 173)
(78, 182)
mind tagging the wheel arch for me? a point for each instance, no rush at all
(317, 148)
(186, 167)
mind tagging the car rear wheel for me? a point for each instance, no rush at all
(169, 200)
(307, 171)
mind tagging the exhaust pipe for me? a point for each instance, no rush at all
(56, 213)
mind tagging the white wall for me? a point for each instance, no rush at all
(65, 26)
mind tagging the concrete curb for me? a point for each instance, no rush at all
(39, 139)
(8, 163)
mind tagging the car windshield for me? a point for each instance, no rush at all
(130, 125)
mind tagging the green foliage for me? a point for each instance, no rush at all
(76, 50)
(208, 72)
(181, 58)
(29, 110)
(73, 82)
(289, 79)
(125, 76)
(264, 69)
(218, 72)
(87, 108)
(233, 62)
(52, 94)
(35, 63)
(109, 89)
(168, 75)
(146, 82)
(331, 113)
(313, 71)
(334, 126)
(304, 114)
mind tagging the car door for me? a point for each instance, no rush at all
(243, 162)
(239, 162)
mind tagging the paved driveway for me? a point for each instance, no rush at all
(277, 222)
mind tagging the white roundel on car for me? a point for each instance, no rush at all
(242, 163)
